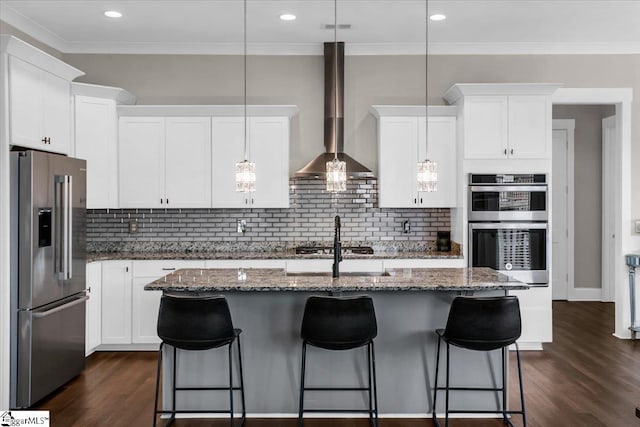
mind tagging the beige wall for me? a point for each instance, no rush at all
(186, 79)
(9, 29)
(587, 189)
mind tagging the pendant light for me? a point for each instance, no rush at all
(428, 169)
(336, 169)
(245, 170)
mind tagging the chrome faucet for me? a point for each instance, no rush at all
(337, 248)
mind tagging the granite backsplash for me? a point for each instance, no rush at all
(309, 221)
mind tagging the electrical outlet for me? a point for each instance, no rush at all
(637, 226)
(133, 227)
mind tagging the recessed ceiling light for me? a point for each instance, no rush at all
(438, 17)
(113, 14)
(288, 17)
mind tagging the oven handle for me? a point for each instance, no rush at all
(504, 188)
(509, 225)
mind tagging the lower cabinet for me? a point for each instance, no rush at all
(129, 313)
(116, 302)
(93, 336)
(535, 310)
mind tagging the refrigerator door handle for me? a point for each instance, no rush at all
(41, 314)
(63, 250)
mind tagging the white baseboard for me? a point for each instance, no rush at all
(585, 294)
(334, 415)
(527, 346)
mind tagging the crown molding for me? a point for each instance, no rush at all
(413, 110)
(207, 110)
(30, 27)
(121, 96)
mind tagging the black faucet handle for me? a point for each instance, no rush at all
(337, 221)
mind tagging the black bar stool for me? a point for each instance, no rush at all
(481, 324)
(197, 323)
(334, 323)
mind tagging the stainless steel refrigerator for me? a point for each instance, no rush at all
(48, 258)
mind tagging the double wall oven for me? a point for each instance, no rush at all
(508, 225)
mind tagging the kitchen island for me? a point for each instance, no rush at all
(267, 304)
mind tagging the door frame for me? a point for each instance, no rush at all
(608, 154)
(569, 125)
(621, 98)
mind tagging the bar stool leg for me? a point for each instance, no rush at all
(301, 407)
(375, 383)
(446, 400)
(504, 386)
(173, 391)
(155, 404)
(244, 407)
(369, 369)
(524, 416)
(435, 386)
(230, 385)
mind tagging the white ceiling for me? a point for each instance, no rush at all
(378, 26)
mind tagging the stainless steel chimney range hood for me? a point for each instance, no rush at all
(333, 116)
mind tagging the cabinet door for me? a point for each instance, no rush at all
(227, 135)
(529, 127)
(442, 149)
(26, 104)
(188, 162)
(145, 306)
(116, 302)
(94, 307)
(269, 144)
(57, 113)
(96, 137)
(485, 127)
(141, 161)
(397, 162)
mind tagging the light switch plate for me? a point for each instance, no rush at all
(133, 227)
(637, 226)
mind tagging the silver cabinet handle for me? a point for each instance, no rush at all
(169, 269)
(41, 314)
(512, 151)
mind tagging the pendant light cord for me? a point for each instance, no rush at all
(426, 80)
(335, 78)
(246, 157)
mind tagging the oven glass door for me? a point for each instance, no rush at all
(498, 203)
(515, 248)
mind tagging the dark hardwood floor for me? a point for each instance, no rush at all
(585, 378)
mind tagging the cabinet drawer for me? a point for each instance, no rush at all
(156, 269)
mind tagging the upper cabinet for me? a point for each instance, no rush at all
(185, 156)
(96, 140)
(504, 121)
(268, 142)
(402, 144)
(165, 162)
(40, 107)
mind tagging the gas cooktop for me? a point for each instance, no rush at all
(314, 250)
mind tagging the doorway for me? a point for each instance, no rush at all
(583, 255)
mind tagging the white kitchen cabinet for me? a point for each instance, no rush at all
(535, 310)
(94, 307)
(268, 140)
(165, 162)
(502, 121)
(40, 107)
(401, 146)
(145, 304)
(96, 125)
(116, 302)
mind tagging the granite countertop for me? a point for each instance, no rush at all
(417, 279)
(183, 255)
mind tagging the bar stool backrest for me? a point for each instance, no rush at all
(195, 323)
(339, 323)
(483, 323)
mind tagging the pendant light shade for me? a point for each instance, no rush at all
(336, 176)
(245, 170)
(336, 169)
(427, 175)
(245, 176)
